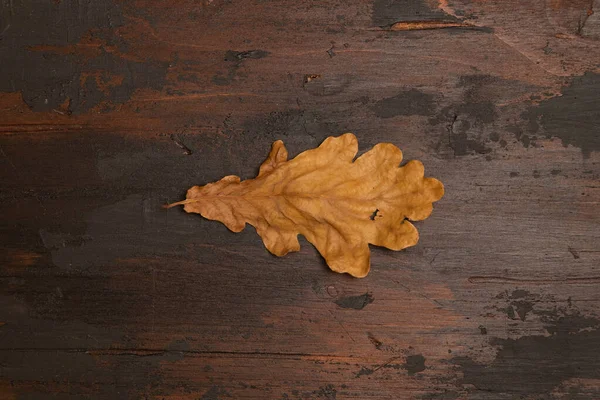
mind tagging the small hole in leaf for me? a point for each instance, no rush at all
(372, 217)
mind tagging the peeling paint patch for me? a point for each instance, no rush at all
(414, 364)
(327, 85)
(573, 117)
(215, 393)
(327, 392)
(69, 53)
(388, 12)
(234, 60)
(469, 121)
(409, 102)
(355, 302)
(535, 365)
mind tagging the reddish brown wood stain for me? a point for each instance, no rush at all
(105, 295)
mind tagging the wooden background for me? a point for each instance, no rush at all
(110, 108)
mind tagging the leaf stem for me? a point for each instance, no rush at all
(180, 203)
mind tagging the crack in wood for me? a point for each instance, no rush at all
(568, 281)
(148, 352)
(427, 25)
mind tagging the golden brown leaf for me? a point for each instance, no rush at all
(338, 204)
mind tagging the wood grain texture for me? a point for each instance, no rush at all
(109, 109)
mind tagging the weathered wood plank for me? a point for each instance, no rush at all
(111, 108)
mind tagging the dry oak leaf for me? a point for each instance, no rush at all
(339, 204)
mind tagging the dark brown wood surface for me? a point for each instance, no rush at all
(109, 109)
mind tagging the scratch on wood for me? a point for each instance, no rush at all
(391, 360)
(186, 150)
(573, 252)
(434, 257)
(528, 57)
(450, 129)
(376, 342)
(342, 325)
(8, 159)
(445, 7)
(311, 77)
(418, 293)
(224, 250)
(4, 30)
(330, 52)
(582, 21)
(197, 96)
(502, 280)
